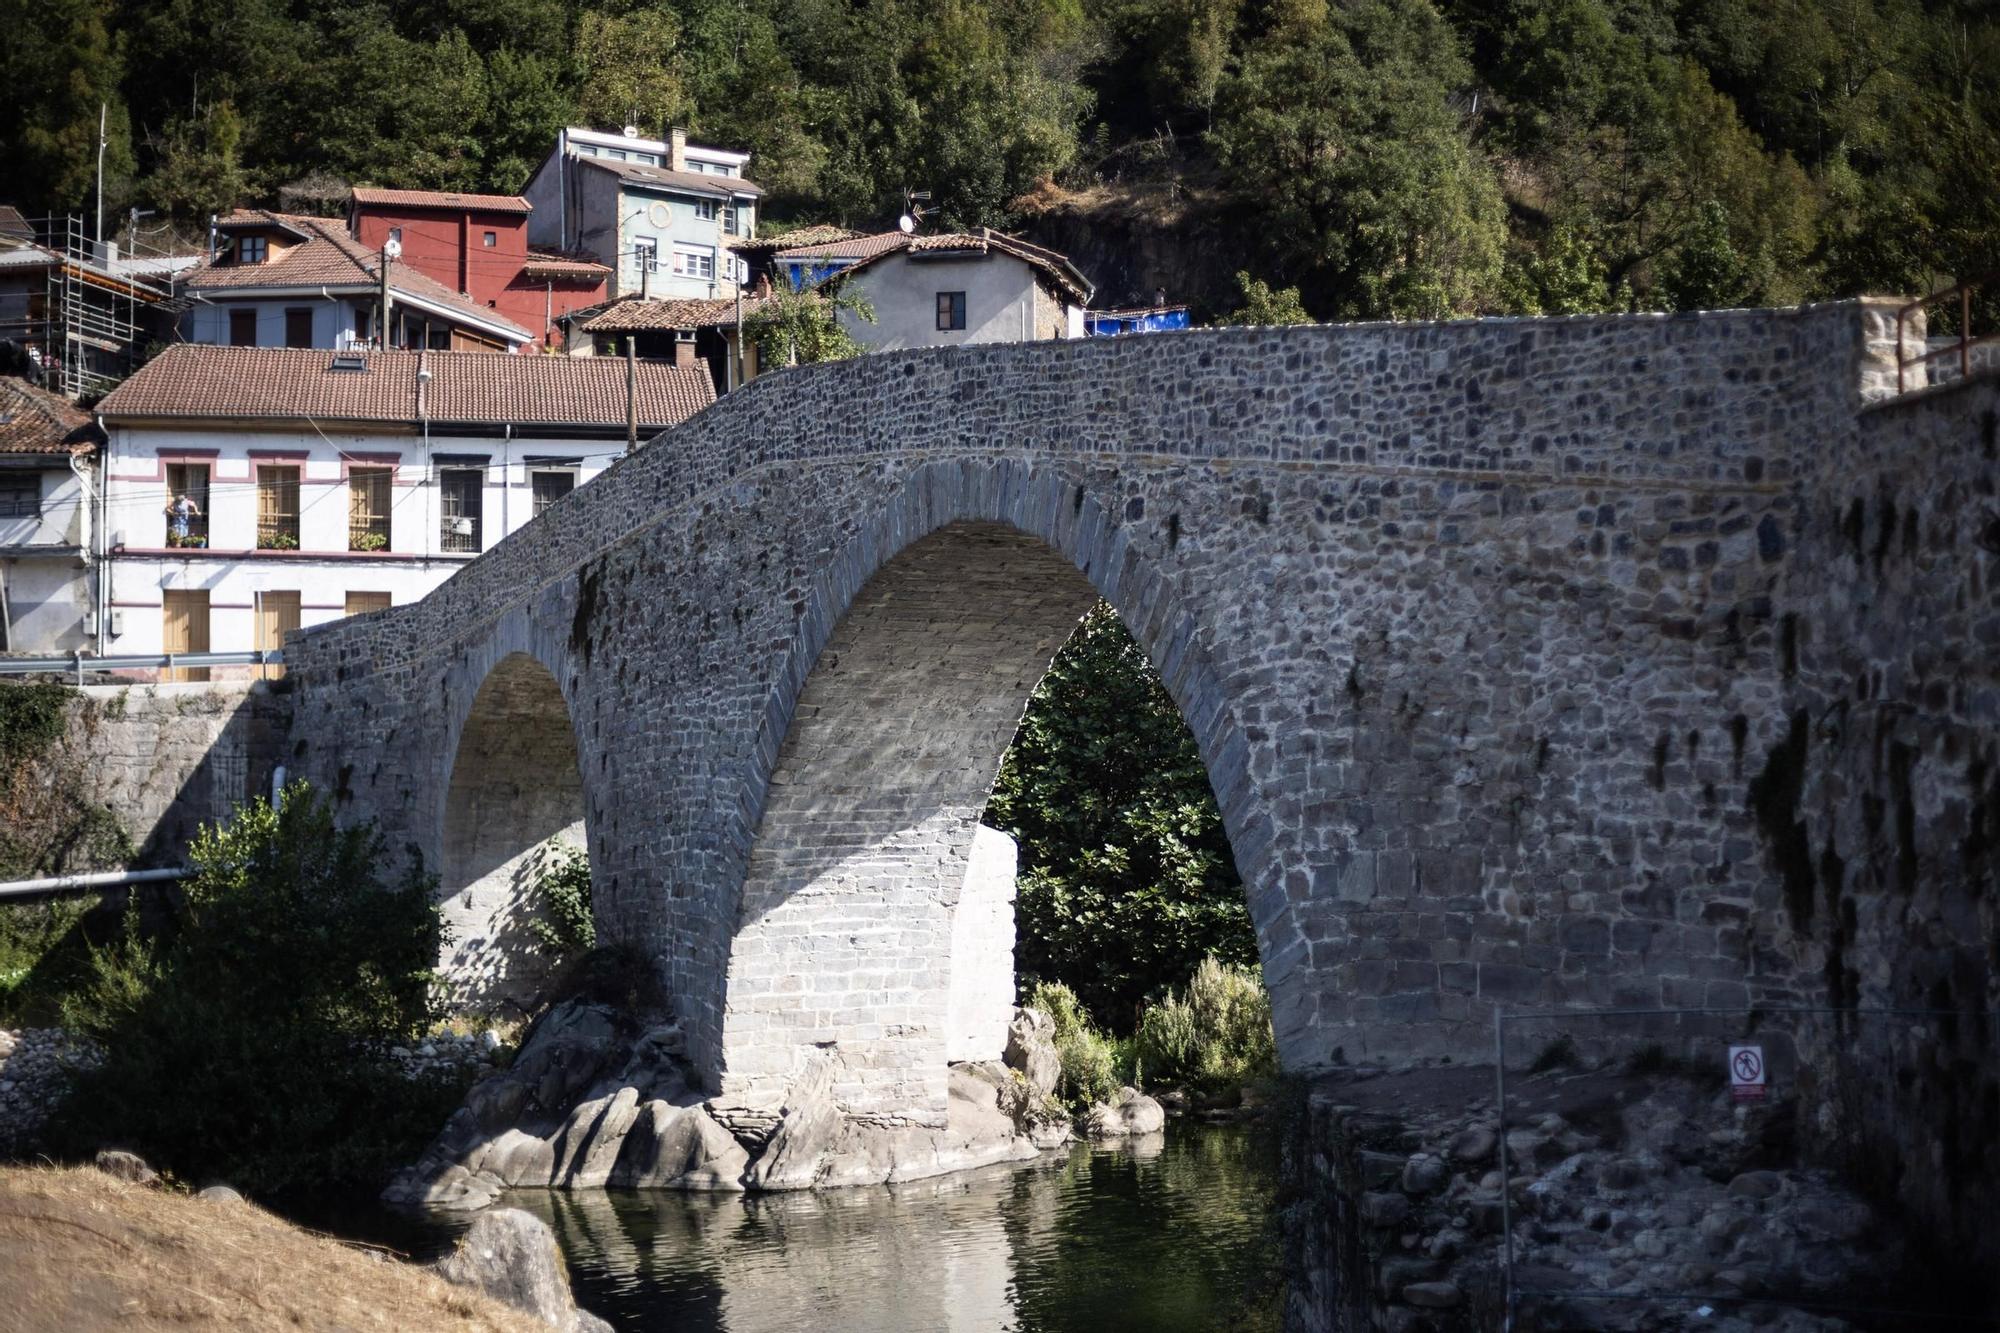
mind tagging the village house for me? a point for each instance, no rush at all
(659, 212)
(477, 245)
(322, 484)
(946, 290)
(286, 280)
(48, 459)
(685, 332)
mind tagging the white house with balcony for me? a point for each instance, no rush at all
(323, 484)
(48, 461)
(659, 212)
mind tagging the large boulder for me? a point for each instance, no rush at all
(1127, 1113)
(808, 1126)
(126, 1166)
(1031, 1048)
(512, 1256)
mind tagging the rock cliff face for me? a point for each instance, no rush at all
(586, 1104)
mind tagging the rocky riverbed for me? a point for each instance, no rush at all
(1637, 1201)
(35, 1069)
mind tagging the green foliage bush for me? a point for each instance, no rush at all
(1213, 1036)
(249, 1040)
(1127, 880)
(1093, 1065)
(565, 929)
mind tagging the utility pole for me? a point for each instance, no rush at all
(631, 394)
(103, 109)
(382, 302)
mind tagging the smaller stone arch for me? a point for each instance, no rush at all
(515, 786)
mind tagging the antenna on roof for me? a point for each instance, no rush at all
(913, 211)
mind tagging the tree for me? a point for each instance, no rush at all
(252, 1039)
(630, 73)
(1127, 881)
(59, 65)
(198, 168)
(1339, 126)
(801, 328)
(1262, 305)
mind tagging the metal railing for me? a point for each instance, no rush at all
(78, 663)
(1962, 346)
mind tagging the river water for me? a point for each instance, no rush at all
(1168, 1235)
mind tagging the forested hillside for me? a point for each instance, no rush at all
(1388, 157)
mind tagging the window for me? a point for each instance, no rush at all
(298, 328)
(360, 603)
(694, 263)
(705, 209)
(729, 216)
(368, 508)
(251, 249)
(277, 507)
(550, 487)
(489, 239)
(243, 328)
(646, 254)
(396, 235)
(21, 495)
(187, 526)
(646, 159)
(951, 310)
(461, 490)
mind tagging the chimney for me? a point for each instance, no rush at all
(677, 149)
(763, 287)
(684, 352)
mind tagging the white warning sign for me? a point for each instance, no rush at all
(1746, 1073)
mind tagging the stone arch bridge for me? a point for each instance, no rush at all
(1481, 628)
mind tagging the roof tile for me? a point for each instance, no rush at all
(369, 197)
(35, 421)
(475, 388)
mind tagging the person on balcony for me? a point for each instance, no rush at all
(181, 514)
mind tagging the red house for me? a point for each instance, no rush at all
(477, 245)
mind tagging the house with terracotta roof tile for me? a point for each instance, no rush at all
(477, 245)
(946, 289)
(320, 484)
(660, 212)
(287, 280)
(48, 464)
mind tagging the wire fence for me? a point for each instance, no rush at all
(1673, 1164)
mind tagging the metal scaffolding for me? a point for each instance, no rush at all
(96, 306)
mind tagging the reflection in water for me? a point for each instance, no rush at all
(1168, 1235)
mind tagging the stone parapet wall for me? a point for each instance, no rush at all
(1476, 627)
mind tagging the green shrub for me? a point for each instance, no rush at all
(1214, 1036)
(565, 928)
(42, 954)
(1093, 1065)
(249, 1039)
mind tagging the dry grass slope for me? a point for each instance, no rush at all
(80, 1250)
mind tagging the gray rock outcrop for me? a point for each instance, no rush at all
(1031, 1048)
(512, 1256)
(583, 1108)
(1129, 1112)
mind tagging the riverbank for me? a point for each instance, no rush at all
(80, 1249)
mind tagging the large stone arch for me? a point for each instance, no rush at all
(915, 657)
(513, 784)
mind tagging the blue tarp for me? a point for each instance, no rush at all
(1108, 323)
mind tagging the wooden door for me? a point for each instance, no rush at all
(361, 602)
(184, 628)
(277, 613)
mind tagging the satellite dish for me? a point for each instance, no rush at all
(906, 224)
(393, 248)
